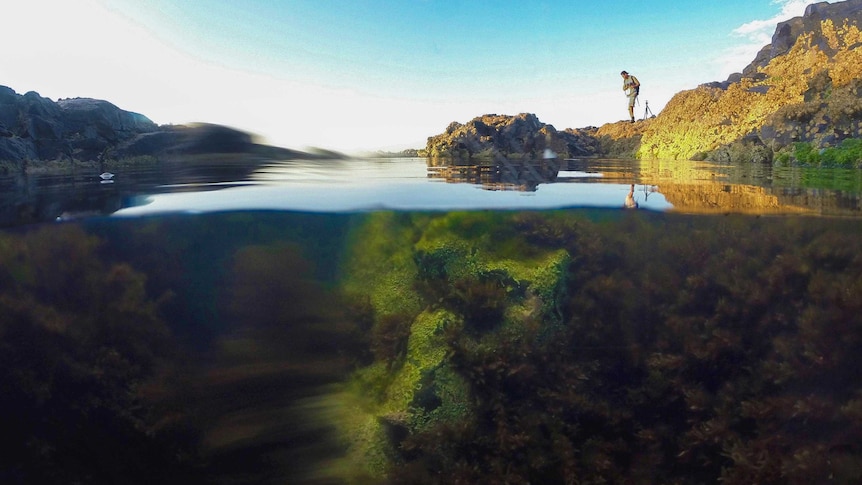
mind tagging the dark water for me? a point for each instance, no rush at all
(388, 321)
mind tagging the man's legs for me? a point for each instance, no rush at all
(632, 108)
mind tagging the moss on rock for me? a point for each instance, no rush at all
(463, 273)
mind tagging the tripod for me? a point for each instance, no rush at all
(648, 113)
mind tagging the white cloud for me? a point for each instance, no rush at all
(758, 30)
(756, 34)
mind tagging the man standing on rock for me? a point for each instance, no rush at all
(632, 88)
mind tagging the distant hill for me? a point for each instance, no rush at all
(802, 88)
(35, 130)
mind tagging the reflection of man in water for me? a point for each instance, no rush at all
(630, 199)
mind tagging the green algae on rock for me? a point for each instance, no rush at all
(467, 274)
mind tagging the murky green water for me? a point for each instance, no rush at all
(388, 322)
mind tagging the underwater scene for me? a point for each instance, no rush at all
(403, 322)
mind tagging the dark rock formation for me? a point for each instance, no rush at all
(493, 136)
(35, 128)
(194, 139)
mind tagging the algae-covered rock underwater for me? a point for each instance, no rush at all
(602, 347)
(434, 347)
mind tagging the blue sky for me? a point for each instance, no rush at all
(367, 75)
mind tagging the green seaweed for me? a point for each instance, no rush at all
(516, 347)
(477, 278)
(622, 347)
(848, 154)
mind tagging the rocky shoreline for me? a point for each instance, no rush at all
(798, 99)
(37, 133)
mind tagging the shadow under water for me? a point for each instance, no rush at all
(432, 347)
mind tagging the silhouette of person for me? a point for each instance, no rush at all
(632, 88)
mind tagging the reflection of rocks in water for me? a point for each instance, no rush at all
(45, 197)
(35, 199)
(747, 189)
(717, 197)
(500, 174)
(705, 198)
(838, 202)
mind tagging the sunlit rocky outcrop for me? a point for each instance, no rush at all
(803, 87)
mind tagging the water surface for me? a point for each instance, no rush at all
(419, 184)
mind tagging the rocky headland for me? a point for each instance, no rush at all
(798, 101)
(36, 132)
(491, 136)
